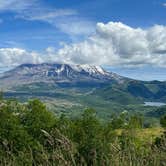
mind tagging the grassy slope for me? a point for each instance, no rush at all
(147, 135)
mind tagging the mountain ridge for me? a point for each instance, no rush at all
(58, 73)
(79, 83)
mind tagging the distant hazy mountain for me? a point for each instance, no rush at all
(60, 74)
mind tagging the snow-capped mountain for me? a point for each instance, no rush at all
(72, 81)
(58, 74)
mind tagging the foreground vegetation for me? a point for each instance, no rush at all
(31, 135)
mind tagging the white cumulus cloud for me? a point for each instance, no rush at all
(113, 44)
(15, 56)
(117, 44)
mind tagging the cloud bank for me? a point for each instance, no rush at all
(117, 44)
(14, 56)
(113, 44)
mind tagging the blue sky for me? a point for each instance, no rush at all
(33, 31)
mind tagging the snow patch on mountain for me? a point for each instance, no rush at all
(89, 69)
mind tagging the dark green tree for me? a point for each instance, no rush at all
(37, 118)
(1, 95)
(163, 121)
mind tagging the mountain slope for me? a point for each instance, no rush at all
(83, 84)
(133, 90)
(60, 74)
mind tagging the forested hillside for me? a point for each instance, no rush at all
(31, 135)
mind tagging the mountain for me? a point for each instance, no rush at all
(78, 86)
(60, 74)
